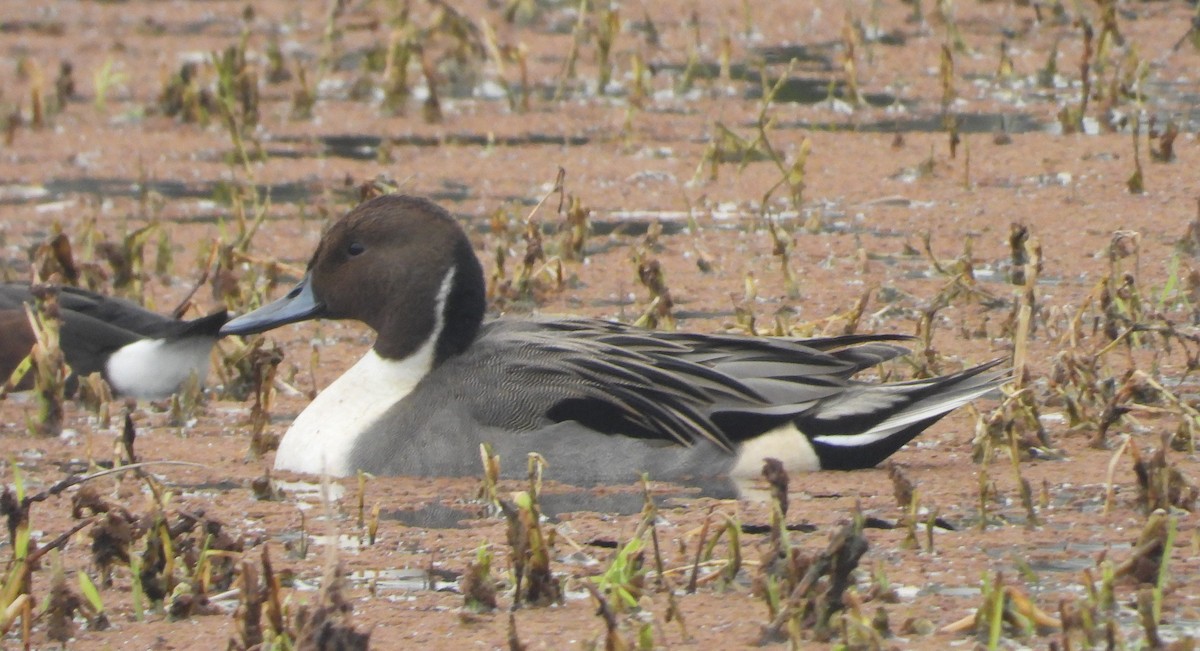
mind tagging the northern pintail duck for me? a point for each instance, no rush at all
(601, 401)
(140, 353)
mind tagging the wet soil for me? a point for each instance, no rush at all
(881, 175)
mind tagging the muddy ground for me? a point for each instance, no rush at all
(894, 124)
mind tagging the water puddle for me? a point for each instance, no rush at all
(461, 515)
(288, 192)
(973, 123)
(366, 147)
(950, 590)
(436, 515)
(814, 88)
(209, 198)
(406, 580)
(310, 491)
(737, 217)
(344, 541)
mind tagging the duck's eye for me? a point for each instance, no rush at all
(355, 248)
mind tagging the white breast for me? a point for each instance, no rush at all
(323, 435)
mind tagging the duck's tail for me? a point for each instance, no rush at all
(156, 367)
(205, 326)
(861, 427)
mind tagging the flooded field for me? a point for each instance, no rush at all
(1000, 179)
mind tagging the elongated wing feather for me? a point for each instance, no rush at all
(621, 380)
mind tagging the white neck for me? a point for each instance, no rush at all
(322, 437)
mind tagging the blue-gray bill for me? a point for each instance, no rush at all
(298, 305)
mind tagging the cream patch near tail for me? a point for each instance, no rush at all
(786, 443)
